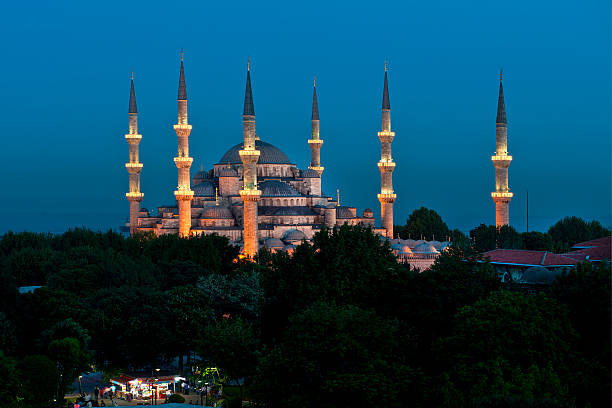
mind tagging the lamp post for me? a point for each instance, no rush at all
(80, 391)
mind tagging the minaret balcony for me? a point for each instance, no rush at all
(134, 195)
(387, 197)
(133, 168)
(386, 166)
(250, 195)
(249, 156)
(182, 129)
(183, 162)
(501, 195)
(315, 141)
(133, 137)
(501, 161)
(184, 193)
(318, 169)
(386, 136)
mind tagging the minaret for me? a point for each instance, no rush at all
(386, 165)
(183, 194)
(134, 167)
(249, 156)
(501, 161)
(315, 143)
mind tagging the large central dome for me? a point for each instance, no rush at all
(269, 154)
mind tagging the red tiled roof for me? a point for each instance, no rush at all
(596, 250)
(528, 258)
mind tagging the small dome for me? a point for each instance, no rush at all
(273, 243)
(436, 244)
(444, 246)
(397, 246)
(275, 188)
(310, 173)
(383, 238)
(539, 275)
(204, 189)
(228, 172)
(425, 248)
(344, 212)
(292, 236)
(368, 213)
(216, 212)
(396, 241)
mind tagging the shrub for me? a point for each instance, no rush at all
(178, 398)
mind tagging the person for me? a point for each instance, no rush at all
(96, 392)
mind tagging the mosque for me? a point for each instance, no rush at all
(256, 196)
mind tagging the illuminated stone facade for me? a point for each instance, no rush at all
(254, 195)
(501, 160)
(134, 167)
(386, 165)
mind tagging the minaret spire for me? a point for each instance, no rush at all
(501, 160)
(386, 165)
(249, 155)
(134, 167)
(183, 193)
(315, 142)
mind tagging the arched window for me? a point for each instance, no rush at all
(291, 202)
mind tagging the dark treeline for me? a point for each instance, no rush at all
(340, 323)
(427, 224)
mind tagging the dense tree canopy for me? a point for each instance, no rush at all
(338, 323)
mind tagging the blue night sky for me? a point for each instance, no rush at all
(65, 84)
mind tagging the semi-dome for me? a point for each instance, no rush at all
(273, 243)
(292, 236)
(310, 173)
(425, 248)
(228, 172)
(269, 154)
(275, 188)
(397, 246)
(201, 175)
(344, 212)
(204, 189)
(217, 212)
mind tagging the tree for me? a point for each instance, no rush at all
(9, 392)
(231, 345)
(585, 291)
(337, 356)
(39, 379)
(424, 224)
(510, 345)
(537, 241)
(488, 237)
(71, 360)
(572, 230)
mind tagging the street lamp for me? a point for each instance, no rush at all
(80, 391)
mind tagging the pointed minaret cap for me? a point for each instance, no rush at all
(385, 102)
(182, 91)
(132, 108)
(315, 105)
(248, 95)
(501, 107)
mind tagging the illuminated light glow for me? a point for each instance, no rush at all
(133, 165)
(134, 194)
(134, 136)
(386, 133)
(501, 158)
(383, 163)
(181, 126)
(387, 196)
(315, 168)
(253, 192)
(502, 195)
(183, 161)
(315, 141)
(249, 152)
